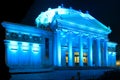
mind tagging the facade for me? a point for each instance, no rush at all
(62, 37)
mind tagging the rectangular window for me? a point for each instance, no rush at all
(35, 48)
(13, 46)
(25, 46)
(76, 57)
(47, 47)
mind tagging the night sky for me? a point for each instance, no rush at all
(106, 11)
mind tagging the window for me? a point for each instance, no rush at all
(25, 46)
(76, 57)
(35, 48)
(13, 46)
(66, 58)
(47, 47)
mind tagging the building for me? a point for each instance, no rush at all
(62, 37)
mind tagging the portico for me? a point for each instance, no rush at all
(79, 42)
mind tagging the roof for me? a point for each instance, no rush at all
(16, 27)
(73, 17)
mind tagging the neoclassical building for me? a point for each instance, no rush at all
(62, 37)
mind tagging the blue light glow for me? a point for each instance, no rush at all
(71, 31)
(84, 20)
(109, 52)
(25, 46)
(86, 15)
(13, 46)
(35, 48)
(114, 53)
(47, 16)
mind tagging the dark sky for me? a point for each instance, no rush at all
(106, 11)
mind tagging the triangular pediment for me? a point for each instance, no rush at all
(72, 19)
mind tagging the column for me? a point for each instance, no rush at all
(114, 58)
(20, 54)
(70, 53)
(58, 46)
(7, 61)
(80, 51)
(31, 53)
(109, 58)
(98, 57)
(105, 53)
(63, 57)
(43, 51)
(90, 55)
(55, 51)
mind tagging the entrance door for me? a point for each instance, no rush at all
(66, 58)
(85, 59)
(76, 58)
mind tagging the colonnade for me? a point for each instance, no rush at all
(99, 51)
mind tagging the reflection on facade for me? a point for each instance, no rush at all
(61, 37)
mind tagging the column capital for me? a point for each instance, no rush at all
(70, 32)
(98, 38)
(81, 34)
(90, 36)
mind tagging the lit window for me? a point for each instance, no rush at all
(76, 53)
(84, 55)
(25, 46)
(66, 59)
(109, 52)
(66, 53)
(35, 48)
(13, 46)
(76, 59)
(117, 63)
(84, 59)
(114, 54)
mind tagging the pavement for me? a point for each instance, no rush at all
(69, 73)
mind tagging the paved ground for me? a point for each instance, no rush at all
(59, 74)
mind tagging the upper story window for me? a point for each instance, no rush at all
(25, 46)
(13, 46)
(35, 48)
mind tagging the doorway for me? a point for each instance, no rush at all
(76, 58)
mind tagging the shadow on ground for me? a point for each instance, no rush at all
(109, 75)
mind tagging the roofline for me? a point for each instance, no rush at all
(22, 28)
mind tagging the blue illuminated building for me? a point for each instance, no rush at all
(62, 37)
